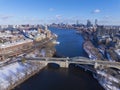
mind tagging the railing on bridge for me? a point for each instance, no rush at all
(79, 61)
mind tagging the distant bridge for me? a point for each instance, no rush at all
(64, 62)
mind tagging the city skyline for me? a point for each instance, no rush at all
(57, 11)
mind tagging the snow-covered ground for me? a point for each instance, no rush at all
(12, 73)
(108, 81)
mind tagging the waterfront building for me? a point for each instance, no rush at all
(106, 33)
(18, 42)
(4, 26)
(104, 30)
(14, 48)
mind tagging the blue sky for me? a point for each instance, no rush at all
(66, 11)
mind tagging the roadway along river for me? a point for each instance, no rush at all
(73, 78)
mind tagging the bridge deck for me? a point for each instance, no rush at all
(79, 61)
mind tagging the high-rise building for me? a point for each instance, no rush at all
(77, 22)
(96, 22)
(89, 24)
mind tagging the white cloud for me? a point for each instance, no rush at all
(96, 11)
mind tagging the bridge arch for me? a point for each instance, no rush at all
(53, 65)
(115, 68)
(60, 63)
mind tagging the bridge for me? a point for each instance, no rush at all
(64, 62)
(31, 66)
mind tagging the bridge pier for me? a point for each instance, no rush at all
(96, 65)
(46, 62)
(64, 64)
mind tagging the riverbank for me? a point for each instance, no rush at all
(107, 77)
(51, 78)
(92, 52)
(70, 46)
(16, 73)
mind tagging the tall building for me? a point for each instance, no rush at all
(77, 22)
(89, 24)
(96, 22)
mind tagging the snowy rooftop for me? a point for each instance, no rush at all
(6, 35)
(8, 44)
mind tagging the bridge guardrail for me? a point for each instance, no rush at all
(79, 61)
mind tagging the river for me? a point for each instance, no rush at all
(73, 78)
(70, 43)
